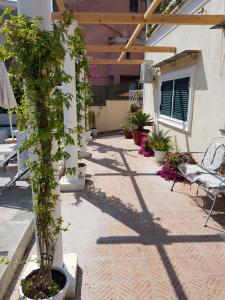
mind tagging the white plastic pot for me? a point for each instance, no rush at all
(82, 169)
(59, 296)
(87, 136)
(160, 155)
(94, 132)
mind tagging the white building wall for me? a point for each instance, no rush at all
(209, 84)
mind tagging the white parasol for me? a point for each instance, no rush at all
(7, 98)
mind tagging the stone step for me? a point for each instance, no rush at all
(15, 237)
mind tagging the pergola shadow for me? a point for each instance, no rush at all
(149, 232)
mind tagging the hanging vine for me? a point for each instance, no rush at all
(84, 93)
(38, 59)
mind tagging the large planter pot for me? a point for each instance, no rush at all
(94, 132)
(60, 295)
(138, 135)
(160, 155)
(82, 169)
(87, 136)
(128, 134)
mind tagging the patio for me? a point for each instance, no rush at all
(137, 240)
(134, 238)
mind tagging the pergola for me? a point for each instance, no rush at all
(140, 20)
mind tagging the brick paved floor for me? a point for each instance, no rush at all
(137, 240)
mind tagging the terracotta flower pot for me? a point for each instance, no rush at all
(138, 135)
(128, 134)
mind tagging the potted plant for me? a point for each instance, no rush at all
(127, 130)
(134, 107)
(148, 151)
(139, 120)
(82, 169)
(92, 123)
(161, 143)
(170, 170)
(40, 69)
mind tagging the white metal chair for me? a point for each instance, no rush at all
(206, 174)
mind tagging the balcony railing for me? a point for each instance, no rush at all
(136, 97)
(166, 7)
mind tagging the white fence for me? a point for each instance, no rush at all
(136, 97)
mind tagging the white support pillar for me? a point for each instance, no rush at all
(42, 8)
(71, 183)
(84, 136)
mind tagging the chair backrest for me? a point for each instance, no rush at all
(214, 157)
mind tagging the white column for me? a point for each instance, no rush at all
(42, 8)
(84, 136)
(68, 182)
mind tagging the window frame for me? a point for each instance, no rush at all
(173, 75)
(137, 2)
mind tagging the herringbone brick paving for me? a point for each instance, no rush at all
(137, 240)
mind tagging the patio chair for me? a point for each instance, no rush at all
(14, 179)
(206, 174)
(213, 185)
(4, 163)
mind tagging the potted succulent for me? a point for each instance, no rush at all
(161, 143)
(92, 123)
(127, 130)
(139, 120)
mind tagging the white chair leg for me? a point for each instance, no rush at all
(211, 210)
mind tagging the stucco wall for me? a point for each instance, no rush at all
(208, 114)
(111, 116)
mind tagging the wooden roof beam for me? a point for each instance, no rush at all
(127, 18)
(152, 7)
(60, 5)
(103, 18)
(95, 61)
(185, 19)
(121, 48)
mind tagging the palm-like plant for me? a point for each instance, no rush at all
(161, 141)
(139, 120)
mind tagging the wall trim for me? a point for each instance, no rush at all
(178, 124)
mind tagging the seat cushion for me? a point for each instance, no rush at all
(192, 171)
(211, 181)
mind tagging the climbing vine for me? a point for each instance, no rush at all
(84, 94)
(38, 58)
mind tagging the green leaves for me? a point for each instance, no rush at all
(161, 141)
(37, 69)
(139, 120)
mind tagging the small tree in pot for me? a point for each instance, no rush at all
(139, 120)
(38, 57)
(161, 143)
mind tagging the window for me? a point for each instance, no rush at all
(127, 55)
(134, 5)
(175, 98)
